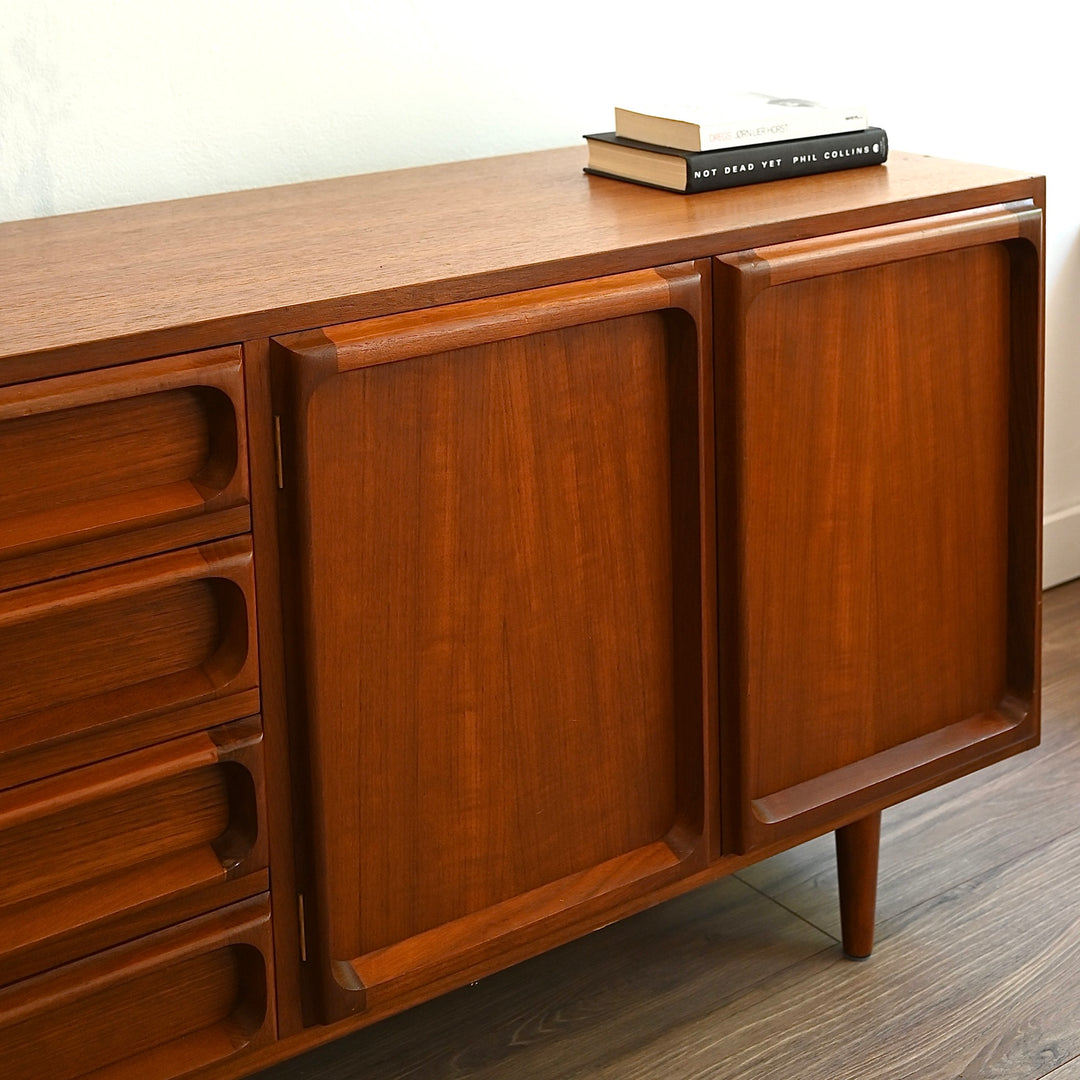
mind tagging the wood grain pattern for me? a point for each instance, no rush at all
(144, 540)
(857, 848)
(975, 974)
(81, 653)
(797, 260)
(569, 1010)
(116, 285)
(87, 456)
(517, 651)
(872, 429)
(977, 823)
(498, 318)
(969, 827)
(285, 811)
(88, 846)
(498, 568)
(134, 732)
(170, 1003)
(1069, 1071)
(910, 1010)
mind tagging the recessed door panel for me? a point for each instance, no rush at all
(498, 525)
(882, 489)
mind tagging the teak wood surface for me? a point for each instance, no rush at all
(104, 465)
(110, 286)
(880, 584)
(452, 562)
(976, 972)
(90, 852)
(526, 638)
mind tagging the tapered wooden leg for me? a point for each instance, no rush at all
(857, 869)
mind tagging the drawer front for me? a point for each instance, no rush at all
(107, 452)
(86, 851)
(125, 645)
(159, 1007)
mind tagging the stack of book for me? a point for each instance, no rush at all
(740, 139)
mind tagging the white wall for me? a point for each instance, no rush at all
(106, 102)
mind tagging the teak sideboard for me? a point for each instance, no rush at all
(401, 575)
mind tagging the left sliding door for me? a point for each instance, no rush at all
(498, 516)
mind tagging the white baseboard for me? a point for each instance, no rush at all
(1061, 546)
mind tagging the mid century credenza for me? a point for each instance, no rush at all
(403, 574)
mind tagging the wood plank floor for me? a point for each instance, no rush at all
(976, 974)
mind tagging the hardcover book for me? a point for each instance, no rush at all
(689, 172)
(742, 119)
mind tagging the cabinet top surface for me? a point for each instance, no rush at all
(119, 284)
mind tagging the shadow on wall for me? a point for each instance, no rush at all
(1061, 522)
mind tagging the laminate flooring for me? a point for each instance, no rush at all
(975, 975)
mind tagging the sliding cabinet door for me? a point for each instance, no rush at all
(499, 514)
(878, 417)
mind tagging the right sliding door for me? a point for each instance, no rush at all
(879, 404)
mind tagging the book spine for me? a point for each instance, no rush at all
(713, 170)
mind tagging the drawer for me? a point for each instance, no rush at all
(157, 642)
(107, 452)
(87, 851)
(158, 1007)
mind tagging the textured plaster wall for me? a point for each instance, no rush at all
(106, 102)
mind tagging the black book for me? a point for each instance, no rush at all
(691, 171)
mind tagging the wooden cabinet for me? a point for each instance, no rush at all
(509, 551)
